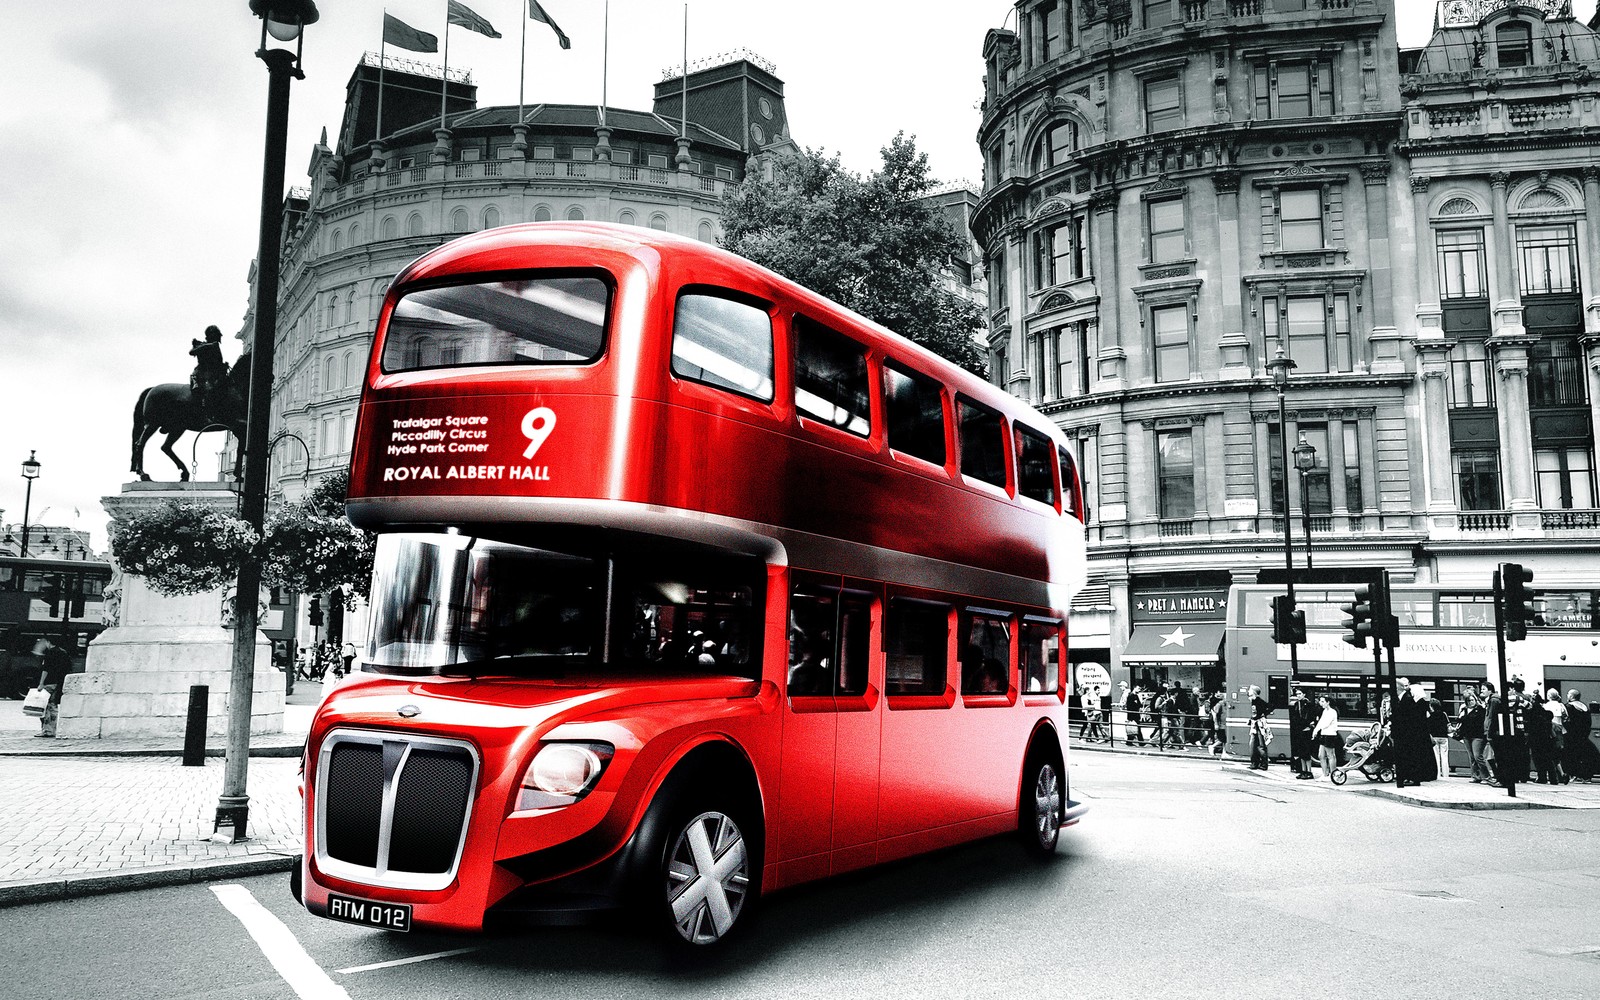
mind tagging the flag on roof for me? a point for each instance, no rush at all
(468, 18)
(537, 13)
(397, 32)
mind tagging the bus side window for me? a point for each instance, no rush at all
(915, 409)
(985, 654)
(855, 643)
(1035, 477)
(917, 635)
(1041, 652)
(982, 446)
(723, 342)
(813, 615)
(830, 378)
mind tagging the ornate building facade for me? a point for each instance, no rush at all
(1173, 192)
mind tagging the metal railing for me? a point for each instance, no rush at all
(1146, 728)
(1556, 381)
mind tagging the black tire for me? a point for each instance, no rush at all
(1339, 776)
(705, 887)
(1042, 803)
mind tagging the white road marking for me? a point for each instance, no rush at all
(279, 944)
(405, 961)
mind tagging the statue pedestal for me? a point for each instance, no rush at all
(138, 672)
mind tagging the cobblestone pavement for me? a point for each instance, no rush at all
(85, 815)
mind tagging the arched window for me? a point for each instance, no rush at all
(1056, 146)
(389, 228)
(330, 374)
(458, 221)
(1458, 206)
(658, 221)
(415, 225)
(350, 306)
(542, 214)
(627, 218)
(575, 213)
(333, 310)
(338, 240)
(421, 353)
(355, 233)
(708, 233)
(491, 217)
(451, 353)
(1513, 44)
(349, 367)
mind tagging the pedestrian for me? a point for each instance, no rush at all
(1171, 718)
(57, 664)
(1582, 760)
(1537, 724)
(1557, 710)
(1325, 734)
(1095, 730)
(1413, 750)
(348, 655)
(1439, 734)
(1130, 715)
(1219, 723)
(1302, 721)
(1469, 730)
(1494, 734)
(1260, 733)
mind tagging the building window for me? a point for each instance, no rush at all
(1157, 13)
(1163, 104)
(1167, 240)
(1319, 331)
(542, 214)
(1077, 345)
(1470, 382)
(627, 218)
(658, 161)
(1300, 219)
(707, 232)
(1556, 375)
(1308, 335)
(621, 155)
(583, 153)
(983, 453)
(1171, 325)
(1354, 500)
(544, 152)
(1513, 44)
(1547, 258)
(415, 225)
(491, 217)
(1461, 263)
(722, 173)
(1566, 478)
(575, 214)
(1293, 90)
(1058, 253)
(1052, 30)
(1056, 147)
(997, 280)
(1175, 474)
(1477, 479)
(458, 221)
(658, 222)
(1039, 367)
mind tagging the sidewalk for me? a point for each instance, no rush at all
(1457, 792)
(93, 816)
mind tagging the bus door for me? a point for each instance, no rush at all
(857, 692)
(810, 729)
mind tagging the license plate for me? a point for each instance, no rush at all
(387, 916)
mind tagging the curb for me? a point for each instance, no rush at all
(1482, 806)
(1074, 746)
(93, 751)
(44, 890)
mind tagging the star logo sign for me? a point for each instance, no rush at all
(1177, 637)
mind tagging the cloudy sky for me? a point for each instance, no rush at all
(129, 214)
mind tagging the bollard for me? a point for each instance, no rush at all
(194, 733)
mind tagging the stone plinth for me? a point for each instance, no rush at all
(138, 672)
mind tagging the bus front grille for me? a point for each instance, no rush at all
(392, 809)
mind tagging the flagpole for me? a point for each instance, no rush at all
(382, 47)
(685, 108)
(605, 56)
(522, 78)
(444, 90)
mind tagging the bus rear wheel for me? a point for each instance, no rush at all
(1039, 813)
(710, 876)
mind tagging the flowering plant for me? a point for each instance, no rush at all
(182, 548)
(313, 548)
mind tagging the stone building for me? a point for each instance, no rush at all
(1502, 145)
(1174, 191)
(376, 202)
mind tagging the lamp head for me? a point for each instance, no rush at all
(30, 468)
(1305, 454)
(1280, 366)
(285, 18)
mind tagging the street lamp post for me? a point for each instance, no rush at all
(1280, 366)
(1305, 459)
(30, 472)
(284, 20)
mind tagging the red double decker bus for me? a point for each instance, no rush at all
(690, 585)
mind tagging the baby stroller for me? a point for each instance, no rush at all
(1372, 754)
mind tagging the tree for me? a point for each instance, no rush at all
(869, 243)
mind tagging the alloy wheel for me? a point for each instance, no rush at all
(1047, 806)
(708, 878)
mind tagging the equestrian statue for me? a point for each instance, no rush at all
(216, 398)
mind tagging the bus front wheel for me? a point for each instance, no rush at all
(710, 875)
(1039, 813)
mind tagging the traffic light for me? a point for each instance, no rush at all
(51, 595)
(75, 604)
(1519, 601)
(316, 613)
(1288, 622)
(1361, 610)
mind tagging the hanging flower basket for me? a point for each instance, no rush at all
(317, 554)
(182, 548)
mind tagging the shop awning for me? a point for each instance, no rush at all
(1160, 644)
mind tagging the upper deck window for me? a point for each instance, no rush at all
(1035, 477)
(553, 319)
(983, 443)
(723, 342)
(830, 378)
(915, 413)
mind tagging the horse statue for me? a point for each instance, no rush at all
(171, 409)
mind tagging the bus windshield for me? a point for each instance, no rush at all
(454, 603)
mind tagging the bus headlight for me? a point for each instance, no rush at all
(562, 773)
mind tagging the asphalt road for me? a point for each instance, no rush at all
(1185, 880)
